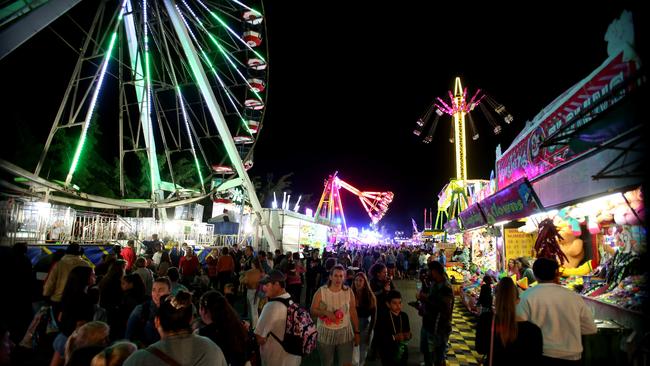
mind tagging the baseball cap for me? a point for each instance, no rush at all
(273, 276)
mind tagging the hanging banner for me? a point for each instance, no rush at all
(92, 253)
(516, 201)
(518, 244)
(472, 217)
(526, 158)
(451, 226)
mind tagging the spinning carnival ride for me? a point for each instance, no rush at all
(179, 80)
(453, 197)
(330, 206)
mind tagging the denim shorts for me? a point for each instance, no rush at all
(59, 344)
(433, 346)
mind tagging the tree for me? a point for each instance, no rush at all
(265, 190)
(93, 173)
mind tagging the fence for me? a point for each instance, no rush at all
(34, 222)
(40, 222)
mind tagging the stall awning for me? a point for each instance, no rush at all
(472, 217)
(516, 201)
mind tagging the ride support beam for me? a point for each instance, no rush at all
(217, 116)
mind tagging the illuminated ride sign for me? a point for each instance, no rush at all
(528, 158)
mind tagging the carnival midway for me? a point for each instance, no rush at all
(540, 263)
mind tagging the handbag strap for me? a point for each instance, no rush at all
(163, 356)
(491, 342)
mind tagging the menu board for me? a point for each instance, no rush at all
(518, 244)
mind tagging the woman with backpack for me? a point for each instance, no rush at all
(338, 325)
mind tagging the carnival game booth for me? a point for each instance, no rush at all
(600, 245)
(488, 236)
(584, 156)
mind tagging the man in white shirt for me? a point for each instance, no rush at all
(273, 320)
(560, 313)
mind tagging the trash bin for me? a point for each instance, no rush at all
(604, 347)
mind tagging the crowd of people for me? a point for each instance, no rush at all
(238, 306)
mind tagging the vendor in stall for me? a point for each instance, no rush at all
(523, 265)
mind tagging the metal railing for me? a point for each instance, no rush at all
(40, 222)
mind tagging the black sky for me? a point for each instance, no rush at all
(348, 80)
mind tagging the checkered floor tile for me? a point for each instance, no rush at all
(461, 352)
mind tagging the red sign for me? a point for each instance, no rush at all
(527, 158)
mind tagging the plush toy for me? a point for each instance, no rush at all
(592, 225)
(572, 221)
(582, 270)
(571, 246)
(623, 213)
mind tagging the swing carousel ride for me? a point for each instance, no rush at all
(454, 196)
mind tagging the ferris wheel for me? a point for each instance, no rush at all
(178, 83)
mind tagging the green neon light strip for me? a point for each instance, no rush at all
(215, 16)
(189, 135)
(223, 51)
(93, 101)
(154, 171)
(227, 56)
(206, 59)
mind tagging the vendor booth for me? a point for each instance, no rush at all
(584, 158)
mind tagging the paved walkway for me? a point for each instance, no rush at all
(461, 352)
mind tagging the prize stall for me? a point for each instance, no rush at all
(583, 156)
(486, 224)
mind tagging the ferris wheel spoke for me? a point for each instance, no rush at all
(234, 34)
(185, 116)
(91, 108)
(216, 75)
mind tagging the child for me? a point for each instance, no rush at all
(485, 297)
(393, 331)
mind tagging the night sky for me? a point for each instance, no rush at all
(347, 83)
